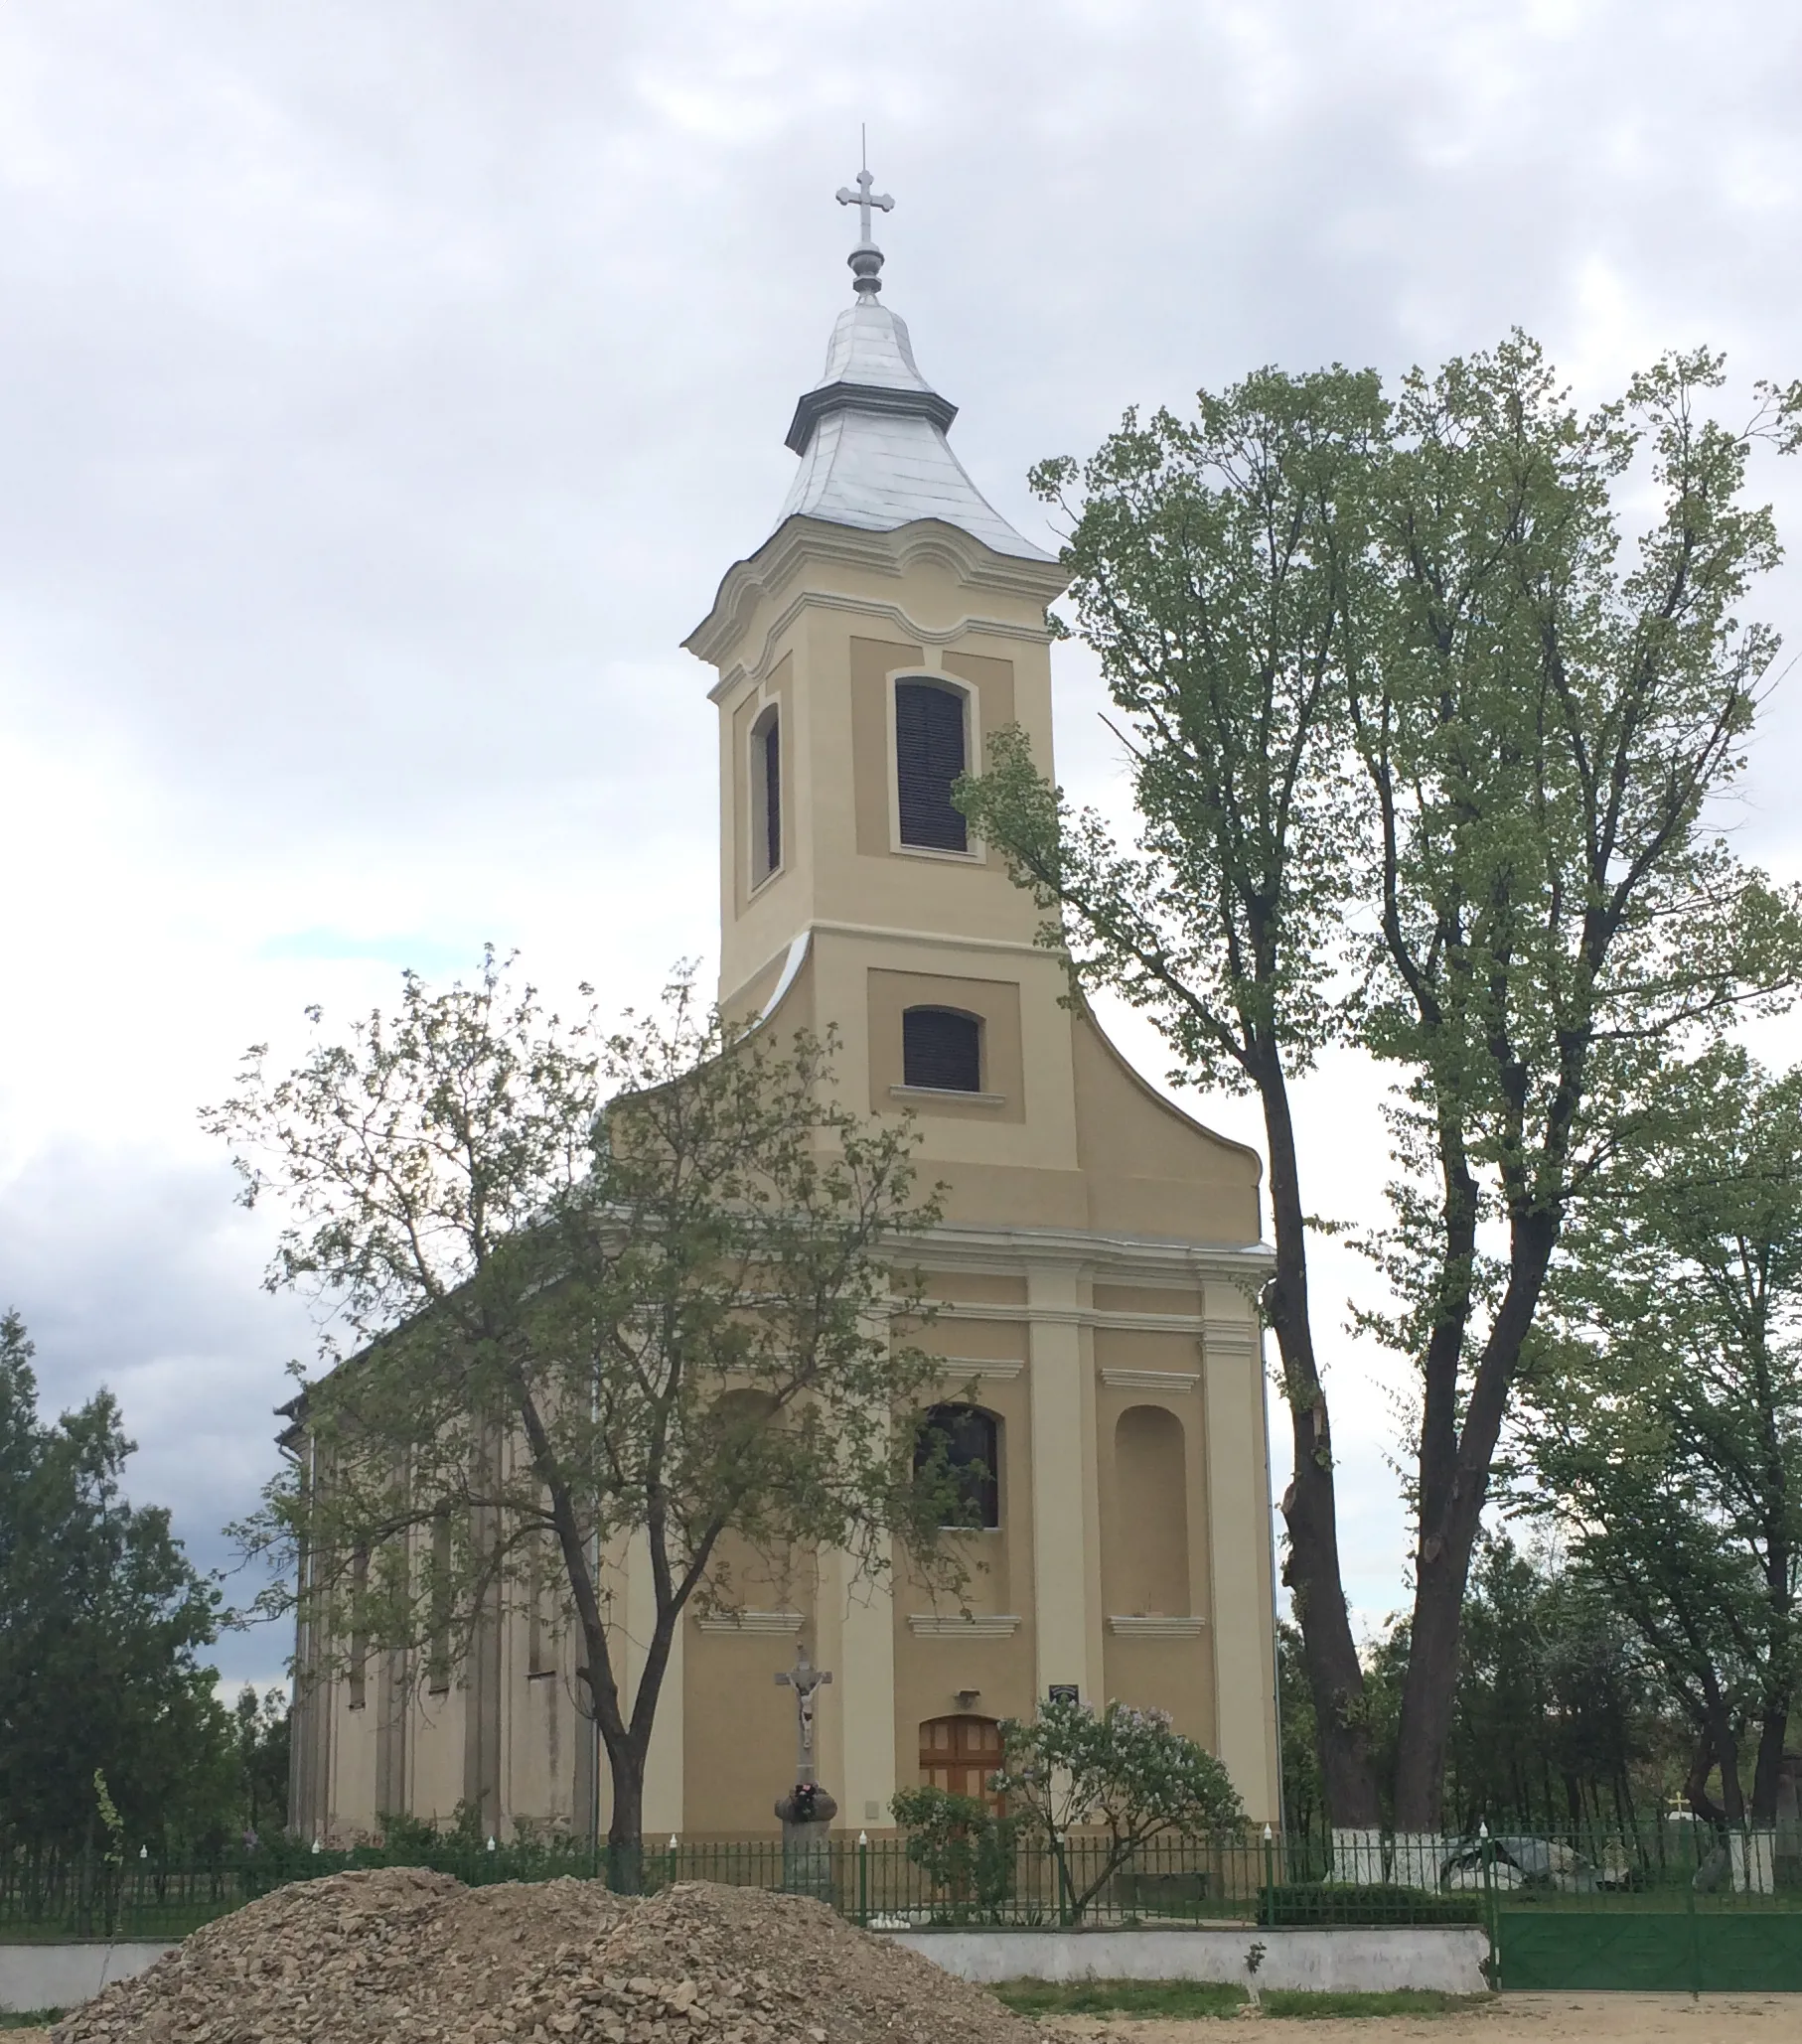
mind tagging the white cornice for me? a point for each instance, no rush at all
(1077, 1316)
(937, 939)
(1175, 1381)
(1157, 1628)
(975, 1624)
(984, 1368)
(800, 540)
(749, 1622)
(962, 1245)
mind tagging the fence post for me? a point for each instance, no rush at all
(1486, 1855)
(669, 1862)
(864, 1880)
(1689, 1896)
(1270, 1877)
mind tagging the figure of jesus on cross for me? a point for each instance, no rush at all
(804, 1678)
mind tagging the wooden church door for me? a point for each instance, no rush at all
(958, 1754)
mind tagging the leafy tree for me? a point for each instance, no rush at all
(262, 1727)
(1554, 1713)
(1303, 1805)
(1485, 761)
(102, 1621)
(1213, 566)
(1666, 1427)
(610, 1296)
(1542, 725)
(1123, 1772)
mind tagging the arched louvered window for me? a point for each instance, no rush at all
(765, 795)
(943, 1048)
(930, 754)
(963, 1443)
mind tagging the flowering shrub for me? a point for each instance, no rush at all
(1125, 1774)
(963, 1848)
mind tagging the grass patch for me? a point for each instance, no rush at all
(1297, 2001)
(1177, 1998)
(28, 2018)
(1187, 1999)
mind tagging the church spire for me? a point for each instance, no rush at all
(871, 433)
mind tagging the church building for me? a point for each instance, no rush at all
(1096, 1267)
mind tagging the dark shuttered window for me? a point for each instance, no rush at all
(772, 796)
(943, 1048)
(960, 1446)
(929, 757)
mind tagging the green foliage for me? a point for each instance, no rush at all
(965, 1850)
(1337, 1902)
(1303, 2003)
(1303, 1793)
(1663, 1423)
(1559, 1725)
(1126, 1773)
(262, 1727)
(600, 1284)
(1210, 565)
(1175, 2000)
(102, 1621)
(1423, 744)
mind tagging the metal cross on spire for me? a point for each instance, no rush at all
(863, 199)
(867, 258)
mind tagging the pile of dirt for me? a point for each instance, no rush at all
(400, 1955)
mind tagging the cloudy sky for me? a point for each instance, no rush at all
(386, 386)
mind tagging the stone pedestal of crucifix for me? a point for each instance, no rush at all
(807, 1810)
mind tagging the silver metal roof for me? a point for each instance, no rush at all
(870, 435)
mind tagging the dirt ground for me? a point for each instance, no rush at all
(1513, 2019)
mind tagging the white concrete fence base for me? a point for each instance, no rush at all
(63, 1976)
(1375, 1961)
(1448, 1957)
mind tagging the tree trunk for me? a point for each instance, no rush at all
(1454, 1482)
(1702, 1805)
(1767, 1772)
(626, 1831)
(1309, 1506)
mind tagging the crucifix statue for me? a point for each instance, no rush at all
(867, 258)
(804, 1678)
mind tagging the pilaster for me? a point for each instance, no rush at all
(856, 1629)
(1238, 1542)
(664, 1763)
(1066, 1502)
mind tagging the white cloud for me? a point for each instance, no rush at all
(385, 388)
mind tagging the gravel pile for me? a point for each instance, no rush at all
(404, 1956)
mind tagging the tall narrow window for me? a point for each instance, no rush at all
(930, 754)
(438, 1653)
(943, 1048)
(540, 1638)
(964, 1443)
(360, 1629)
(765, 795)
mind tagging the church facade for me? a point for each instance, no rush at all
(1093, 1273)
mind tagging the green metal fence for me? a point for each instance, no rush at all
(1672, 1906)
(879, 1882)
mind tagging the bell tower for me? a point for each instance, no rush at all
(1099, 1253)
